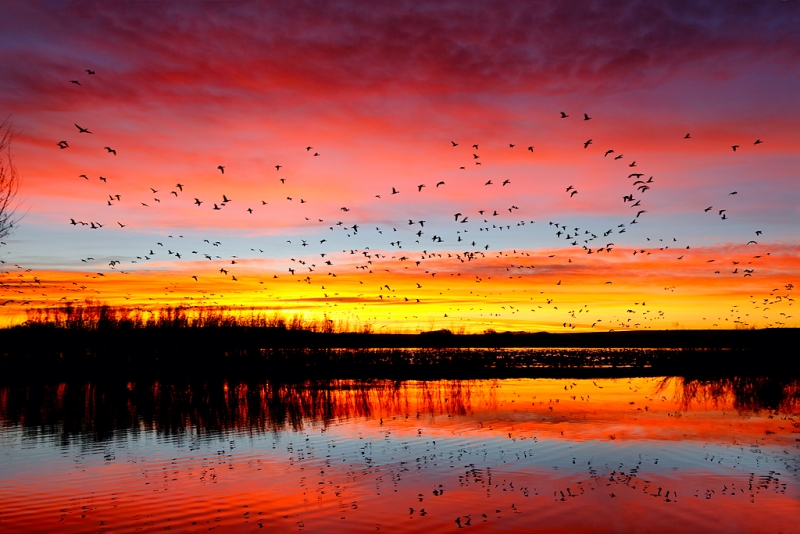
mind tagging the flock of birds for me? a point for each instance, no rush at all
(456, 248)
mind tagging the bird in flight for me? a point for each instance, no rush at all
(564, 115)
(454, 143)
(530, 149)
(110, 150)
(586, 117)
(734, 147)
(758, 142)
(608, 152)
(91, 72)
(419, 187)
(277, 168)
(511, 145)
(587, 143)
(76, 82)
(225, 199)
(82, 130)
(394, 191)
(506, 182)
(439, 183)
(687, 136)
(221, 168)
(63, 144)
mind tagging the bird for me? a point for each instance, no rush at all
(758, 142)
(687, 136)
(394, 191)
(198, 201)
(708, 208)
(121, 225)
(419, 187)
(82, 130)
(511, 145)
(221, 168)
(91, 72)
(76, 82)
(530, 149)
(439, 183)
(564, 115)
(454, 143)
(488, 183)
(110, 150)
(734, 147)
(277, 168)
(63, 144)
(225, 199)
(733, 193)
(507, 181)
(587, 143)
(586, 117)
(608, 152)
(573, 194)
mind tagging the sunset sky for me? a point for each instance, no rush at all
(355, 100)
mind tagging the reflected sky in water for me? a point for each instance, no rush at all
(648, 454)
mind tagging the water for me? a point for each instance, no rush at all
(643, 454)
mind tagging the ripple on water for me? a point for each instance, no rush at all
(561, 455)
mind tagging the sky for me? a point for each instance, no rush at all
(347, 133)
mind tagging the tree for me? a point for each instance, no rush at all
(9, 180)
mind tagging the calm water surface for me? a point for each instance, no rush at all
(644, 455)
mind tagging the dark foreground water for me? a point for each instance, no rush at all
(622, 455)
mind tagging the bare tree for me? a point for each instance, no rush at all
(9, 180)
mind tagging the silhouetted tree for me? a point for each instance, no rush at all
(9, 180)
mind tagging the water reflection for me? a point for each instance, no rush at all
(559, 455)
(745, 394)
(94, 411)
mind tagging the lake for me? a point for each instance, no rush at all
(660, 454)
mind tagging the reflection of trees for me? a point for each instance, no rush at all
(95, 411)
(740, 393)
